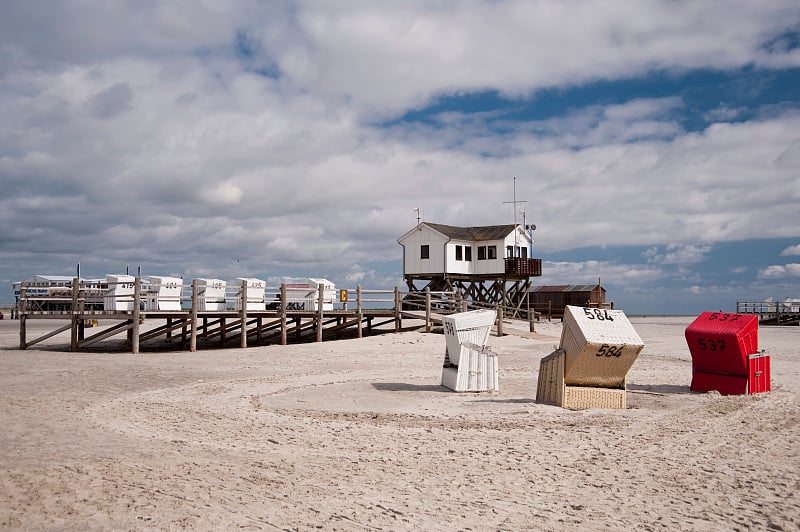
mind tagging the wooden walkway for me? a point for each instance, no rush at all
(771, 312)
(190, 327)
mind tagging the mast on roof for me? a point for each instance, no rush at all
(516, 235)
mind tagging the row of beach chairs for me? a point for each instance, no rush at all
(596, 351)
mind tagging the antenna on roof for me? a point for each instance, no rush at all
(419, 214)
(516, 235)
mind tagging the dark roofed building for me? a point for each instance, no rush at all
(553, 298)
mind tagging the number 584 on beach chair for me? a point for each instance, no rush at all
(590, 367)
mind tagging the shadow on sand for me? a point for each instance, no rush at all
(405, 387)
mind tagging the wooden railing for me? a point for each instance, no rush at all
(523, 267)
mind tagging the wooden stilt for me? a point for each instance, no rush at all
(243, 315)
(137, 293)
(73, 346)
(428, 323)
(398, 310)
(23, 318)
(193, 319)
(359, 311)
(320, 299)
(283, 314)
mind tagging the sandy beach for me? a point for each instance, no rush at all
(358, 435)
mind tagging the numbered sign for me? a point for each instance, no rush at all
(721, 344)
(600, 347)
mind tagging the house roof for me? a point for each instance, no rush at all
(488, 232)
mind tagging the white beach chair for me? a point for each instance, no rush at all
(468, 365)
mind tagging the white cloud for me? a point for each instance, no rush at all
(678, 254)
(791, 251)
(587, 272)
(226, 193)
(723, 113)
(778, 271)
(159, 140)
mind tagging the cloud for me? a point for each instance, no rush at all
(778, 271)
(587, 272)
(678, 254)
(791, 251)
(111, 101)
(226, 193)
(723, 113)
(275, 134)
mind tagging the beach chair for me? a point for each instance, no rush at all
(469, 366)
(725, 356)
(590, 367)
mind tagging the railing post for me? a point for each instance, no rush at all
(73, 346)
(359, 311)
(283, 314)
(427, 309)
(137, 293)
(22, 316)
(499, 320)
(398, 309)
(531, 319)
(320, 299)
(243, 315)
(193, 335)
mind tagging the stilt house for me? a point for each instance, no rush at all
(477, 261)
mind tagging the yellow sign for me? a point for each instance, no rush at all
(343, 296)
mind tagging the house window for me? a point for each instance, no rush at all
(459, 252)
(509, 251)
(467, 253)
(425, 251)
(491, 252)
(481, 252)
(522, 252)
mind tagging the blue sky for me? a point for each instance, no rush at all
(656, 144)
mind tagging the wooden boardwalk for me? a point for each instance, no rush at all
(771, 312)
(191, 327)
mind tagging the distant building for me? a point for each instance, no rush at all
(479, 262)
(553, 298)
(54, 292)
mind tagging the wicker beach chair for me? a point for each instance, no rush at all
(590, 367)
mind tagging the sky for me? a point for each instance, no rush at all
(655, 144)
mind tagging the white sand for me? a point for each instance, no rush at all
(358, 435)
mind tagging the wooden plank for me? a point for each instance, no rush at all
(46, 336)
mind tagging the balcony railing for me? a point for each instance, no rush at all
(523, 267)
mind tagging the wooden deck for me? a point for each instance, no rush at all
(190, 328)
(771, 312)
